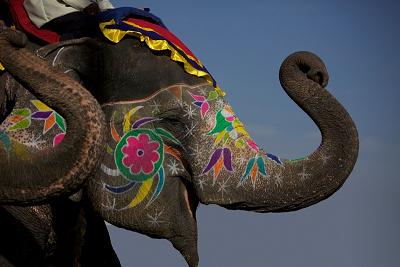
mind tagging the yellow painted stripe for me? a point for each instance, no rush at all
(127, 118)
(142, 193)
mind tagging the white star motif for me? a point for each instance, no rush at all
(202, 182)
(189, 112)
(304, 175)
(173, 167)
(190, 130)
(154, 220)
(156, 107)
(223, 187)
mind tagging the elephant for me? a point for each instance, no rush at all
(172, 139)
(34, 182)
(55, 231)
(62, 233)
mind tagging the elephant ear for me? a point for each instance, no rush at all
(30, 174)
(77, 57)
(171, 216)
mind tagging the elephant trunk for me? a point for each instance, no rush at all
(314, 178)
(293, 184)
(51, 172)
(301, 183)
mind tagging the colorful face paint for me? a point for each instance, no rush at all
(139, 158)
(216, 143)
(139, 154)
(22, 127)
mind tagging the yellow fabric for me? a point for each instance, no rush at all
(116, 35)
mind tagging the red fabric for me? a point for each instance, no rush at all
(23, 23)
(166, 34)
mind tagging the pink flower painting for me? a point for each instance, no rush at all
(140, 154)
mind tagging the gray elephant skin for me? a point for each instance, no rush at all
(145, 147)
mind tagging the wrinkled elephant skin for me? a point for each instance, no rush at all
(173, 142)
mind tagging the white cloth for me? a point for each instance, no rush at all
(42, 11)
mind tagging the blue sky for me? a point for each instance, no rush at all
(243, 44)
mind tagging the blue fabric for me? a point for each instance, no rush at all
(121, 13)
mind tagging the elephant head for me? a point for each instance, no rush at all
(39, 174)
(173, 141)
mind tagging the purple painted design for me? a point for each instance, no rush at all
(228, 159)
(213, 160)
(198, 103)
(41, 115)
(143, 121)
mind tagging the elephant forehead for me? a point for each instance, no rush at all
(130, 71)
(165, 98)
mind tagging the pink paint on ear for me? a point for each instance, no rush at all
(58, 139)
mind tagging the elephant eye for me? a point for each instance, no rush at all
(174, 122)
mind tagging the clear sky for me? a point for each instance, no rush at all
(243, 43)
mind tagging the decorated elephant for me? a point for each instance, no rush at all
(172, 139)
(41, 174)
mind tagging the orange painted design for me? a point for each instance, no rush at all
(218, 167)
(173, 152)
(15, 118)
(253, 173)
(49, 123)
(115, 134)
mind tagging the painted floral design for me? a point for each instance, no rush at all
(228, 127)
(221, 158)
(255, 166)
(203, 103)
(139, 157)
(22, 118)
(140, 154)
